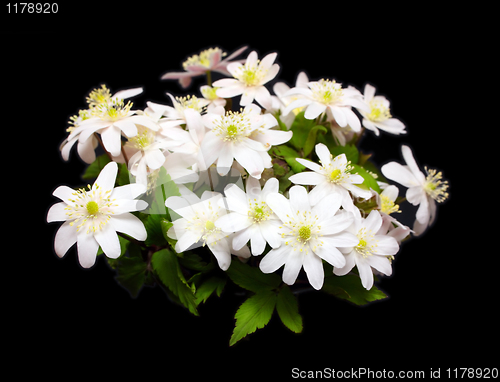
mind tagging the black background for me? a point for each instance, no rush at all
(440, 312)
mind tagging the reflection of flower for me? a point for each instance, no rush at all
(370, 250)
(422, 190)
(199, 64)
(92, 218)
(308, 235)
(249, 80)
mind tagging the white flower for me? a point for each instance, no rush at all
(92, 218)
(251, 218)
(422, 190)
(386, 202)
(176, 116)
(371, 250)
(379, 116)
(328, 96)
(210, 94)
(111, 119)
(196, 227)
(308, 235)
(332, 176)
(231, 137)
(249, 80)
(199, 64)
(280, 89)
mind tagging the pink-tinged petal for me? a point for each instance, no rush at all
(314, 110)
(274, 259)
(415, 195)
(107, 177)
(178, 75)
(327, 250)
(307, 178)
(65, 238)
(268, 61)
(313, 267)
(235, 53)
(386, 245)
(129, 225)
(128, 93)
(248, 95)
(280, 206)
(423, 214)
(57, 213)
(233, 68)
(225, 82)
(369, 92)
(87, 249)
(108, 240)
(293, 265)
(252, 58)
(86, 150)
(410, 161)
(398, 173)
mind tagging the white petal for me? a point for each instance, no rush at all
(327, 207)
(274, 259)
(293, 265)
(111, 138)
(250, 160)
(270, 230)
(314, 270)
(410, 161)
(328, 251)
(87, 249)
(349, 264)
(129, 225)
(415, 195)
(127, 126)
(280, 206)
(310, 165)
(57, 213)
(127, 205)
(314, 110)
(222, 253)
(108, 240)
(386, 245)
(65, 238)
(64, 193)
(381, 264)
(299, 200)
(373, 221)
(365, 272)
(307, 178)
(236, 199)
(241, 238)
(107, 177)
(186, 239)
(257, 241)
(398, 173)
(129, 191)
(423, 213)
(263, 97)
(233, 222)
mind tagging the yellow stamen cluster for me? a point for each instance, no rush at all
(233, 126)
(326, 91)
(251, 74)
(366, 244)
(379, 112)
(434, 186)
(388, 207)
(258, 211)
(189, 102)
(203, 58)
(303, 228)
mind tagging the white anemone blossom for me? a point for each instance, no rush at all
(379, 115)
(422, 190)
(328, 96)
(197, 225)
(250, 217)
(249, 80)
(371, 249)
(332, 176)
(92, 218)
(242, 136)
(308, 235)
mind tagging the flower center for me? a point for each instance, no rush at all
(379, 112)
(434, 186)
(232, 126)
(366, 244)
(112, 110)
(304, 233)
(259, 212)
(92, 208)
(326, 91)
(251, 74)
(209, 225)
(335, 175)
(388, 207)
(203, 58)
(99, 96)
(143, 139)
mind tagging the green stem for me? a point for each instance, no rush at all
(209, 77)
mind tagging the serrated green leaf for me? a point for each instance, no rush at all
(349, 288)
(154, 230)
(194, 261)
(132, 270)
(288, 310)
(252, 278)
(253, 314)
(208, 287)
(311, 138)
(166, 266)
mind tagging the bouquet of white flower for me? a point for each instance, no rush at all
(279, 181)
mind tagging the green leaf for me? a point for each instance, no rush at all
(132, 270)
(289, 155)
(349, 288)
(194, 261)
(252, 278)
(253, 314)
(154, 229)
(288, 310)
(300, 128)
(166, 266)
(351, 152)
(208, 287)
(369, 180)
(165, 188)
(95, 168)
(311, 138)
(123, 176)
